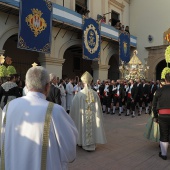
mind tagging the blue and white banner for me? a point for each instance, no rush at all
(124, 47)
(35, 23)
(91, 39)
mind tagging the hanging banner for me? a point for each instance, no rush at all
(35, 23)
(91, 39)
(124, 47)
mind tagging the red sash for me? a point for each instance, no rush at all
(164, 111)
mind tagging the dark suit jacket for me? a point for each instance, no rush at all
(146, 90)
(134, 91)
(54, 95)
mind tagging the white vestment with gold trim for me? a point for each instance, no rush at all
(87, 114)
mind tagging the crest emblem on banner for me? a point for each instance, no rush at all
(124, 47)
(91, 39)
(35, 22)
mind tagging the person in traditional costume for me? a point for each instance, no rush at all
(131, 91)
(152, 131)
(119, 95)
(9, 90)
(87, 114)
(161, 110)
(139, 98)
(37, 134)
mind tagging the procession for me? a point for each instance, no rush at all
(84, 85)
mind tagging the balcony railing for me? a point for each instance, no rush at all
(74, 19)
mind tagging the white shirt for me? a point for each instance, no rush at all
(118, 86)
(24, 130)
(131, 86)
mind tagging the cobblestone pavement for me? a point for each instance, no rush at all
(126, 148)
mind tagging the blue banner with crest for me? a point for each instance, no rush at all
(124, 47)
(35, 23)
(91, 39)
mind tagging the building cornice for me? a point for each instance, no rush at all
(156, 47)
(117, 4)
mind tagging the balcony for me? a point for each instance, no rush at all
(70, 18)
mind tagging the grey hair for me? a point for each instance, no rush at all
(37, 78)
(52, 76)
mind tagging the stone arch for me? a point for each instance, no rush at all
(8, 33)
(159, 67)
(153, 65)
(113, 61)
(66, 45)
(109, 55)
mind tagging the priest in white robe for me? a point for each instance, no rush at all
(24, 129)
(87, 114)
(70, 94)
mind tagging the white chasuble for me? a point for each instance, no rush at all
(87, 114)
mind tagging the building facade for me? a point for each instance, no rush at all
(65, 58)
(148, 22)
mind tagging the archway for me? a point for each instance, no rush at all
(113, 72)
(21, 59)
(160, 66)
(74, 64)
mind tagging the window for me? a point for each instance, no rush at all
(81, 5)
(115, 17)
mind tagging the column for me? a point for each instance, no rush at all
(100, 71)
(53, 65)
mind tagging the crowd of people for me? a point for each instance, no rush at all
(53, 115)
(119, 94)
(132, 95)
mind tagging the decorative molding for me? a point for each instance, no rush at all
(51, 60)
(156, 47)
(117, 4)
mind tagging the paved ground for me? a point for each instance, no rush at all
(126, 148)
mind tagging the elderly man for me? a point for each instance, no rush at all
(54, 94)
(38, 134)
(87, 114)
